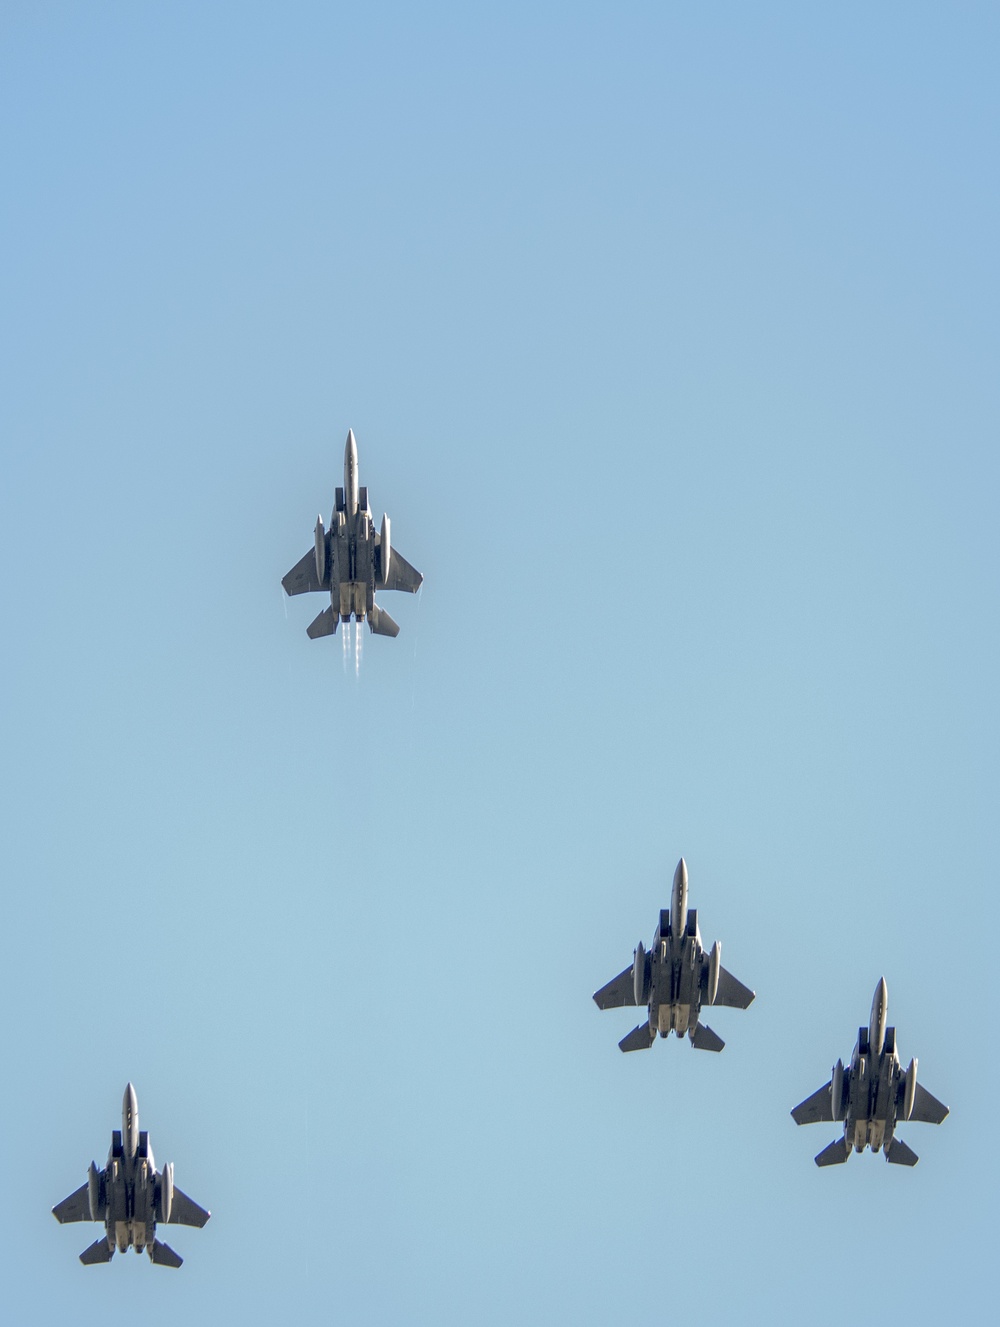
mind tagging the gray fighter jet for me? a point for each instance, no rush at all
(352, 561)
(872, 1096)
(129, 1196)
(675, 979)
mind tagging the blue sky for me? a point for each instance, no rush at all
(669, 338)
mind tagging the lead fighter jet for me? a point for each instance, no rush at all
(675, 979)
(352, 561)
(871, 1096)
(129, 1196)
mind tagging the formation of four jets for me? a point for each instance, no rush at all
(674, 980)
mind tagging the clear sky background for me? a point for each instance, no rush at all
(669, 335)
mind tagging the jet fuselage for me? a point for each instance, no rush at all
(871, 1095)
(351, 560)
(675, 979)
(129, 1196)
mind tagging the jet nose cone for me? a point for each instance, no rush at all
(681, 874)
(882, 992)
(351, 445)
(128, 1100)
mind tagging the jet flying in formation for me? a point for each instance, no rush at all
(675, 979)
(871, 1096)
(130, 1196)
(352, 560)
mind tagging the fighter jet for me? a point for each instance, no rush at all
(352, 561)
(129, 1196)
(675, 979)
(872, 1096)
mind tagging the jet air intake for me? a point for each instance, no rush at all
(320, 537)
(640, 984)
(385, 549)
(714, 964)
(837, 1091)
(910, 1092)
(166, 1191)
(94, 1193)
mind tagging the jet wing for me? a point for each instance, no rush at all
(732, 992)
(184, 1211)
(815, 1109)
(302, 578)
(925, 1108)
(74, 1208)
(618, 992)
(401, 575)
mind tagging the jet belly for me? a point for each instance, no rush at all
(676, 1002)
(352, 571)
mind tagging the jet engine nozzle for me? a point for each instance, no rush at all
(384, 549)
(94, 1193)
(320, 536)
(166, 1191)
(910, 1091)
(640, 976)
(714, 964)
(837, 1091)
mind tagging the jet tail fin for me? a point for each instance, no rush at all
(899, 1154)
(163, 1255)
(324, 625)
(381, 623)
(99, 1251)
(705, 1039)
(639, 1039)
(834, 1155)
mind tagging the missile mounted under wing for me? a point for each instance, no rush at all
(130, 1196)
(675, 979)
(871, 1095)
(352, 560)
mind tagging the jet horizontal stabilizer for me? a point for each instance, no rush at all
(705, 1039)
(163, 1255)
(639, 1039)
(834, 1155)
(324, 625)
(99, 1251)
(898, 1154)
(381, 623)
